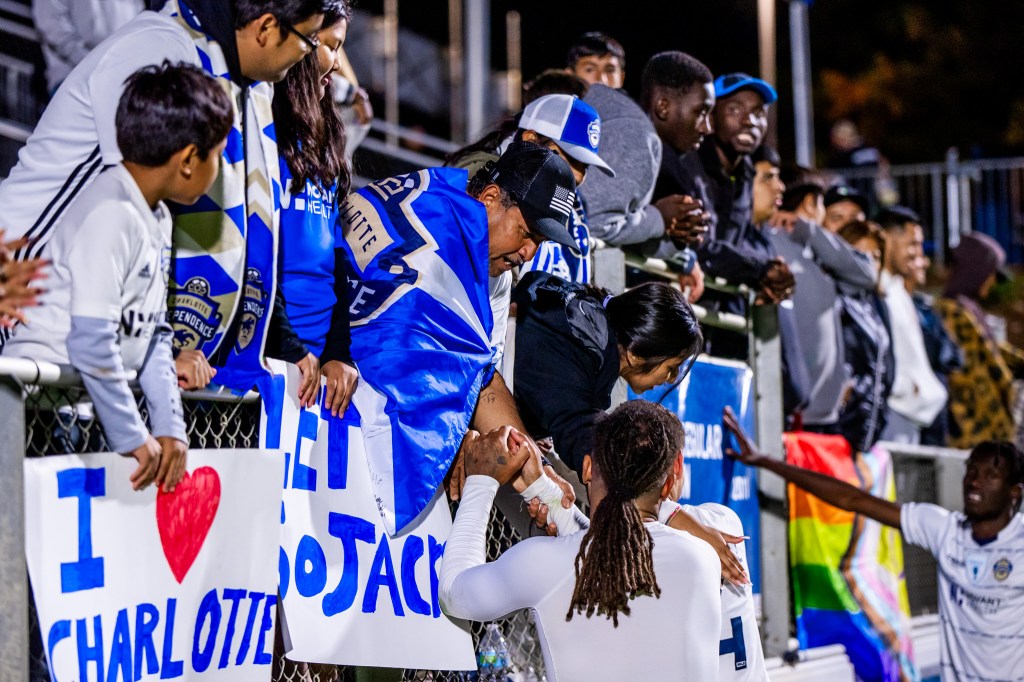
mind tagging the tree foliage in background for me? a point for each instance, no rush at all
(919, 77)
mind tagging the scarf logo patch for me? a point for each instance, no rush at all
(254, 305)
(194, 315)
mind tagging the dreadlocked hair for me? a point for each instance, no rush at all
(634, 447)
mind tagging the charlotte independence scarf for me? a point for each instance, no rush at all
(225, 245)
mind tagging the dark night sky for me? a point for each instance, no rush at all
(955, 76)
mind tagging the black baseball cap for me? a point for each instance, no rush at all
(837, 193)
(542, 186)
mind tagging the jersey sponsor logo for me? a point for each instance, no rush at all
(985, 606)
(976, 566)
(254, 306)
(1002, 569)
(195, 316)
(138, 324)
(312, 200)
(146, 272)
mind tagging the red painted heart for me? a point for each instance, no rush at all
(184, 518)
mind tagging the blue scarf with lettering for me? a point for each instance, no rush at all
(416, 257)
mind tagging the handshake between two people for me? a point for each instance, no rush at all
(508, 456)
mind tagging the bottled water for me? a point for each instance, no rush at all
(492, 655)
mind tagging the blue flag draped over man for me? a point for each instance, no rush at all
(425, 261)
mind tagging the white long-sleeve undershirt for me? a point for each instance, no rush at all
(671, 637)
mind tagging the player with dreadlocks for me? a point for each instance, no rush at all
(980, 551)
(642, 587)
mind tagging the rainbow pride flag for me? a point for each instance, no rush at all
(847, 571)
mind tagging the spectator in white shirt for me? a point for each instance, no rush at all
(105, 311)
(626, 584)
(917, 395)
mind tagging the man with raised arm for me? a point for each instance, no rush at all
(981, 596)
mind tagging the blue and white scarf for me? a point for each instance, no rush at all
(416, 260)
(225, 245)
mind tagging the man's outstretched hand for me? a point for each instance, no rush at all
(749, 453)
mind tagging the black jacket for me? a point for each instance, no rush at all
(567, 361)
(728, 198)
(867, 340)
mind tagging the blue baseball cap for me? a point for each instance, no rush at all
(571, 123)
(734, 82)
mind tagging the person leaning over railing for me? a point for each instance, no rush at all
(245, 43)
(105, 312)
(316, 179)
(585, 340)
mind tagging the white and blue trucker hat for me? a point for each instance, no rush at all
(571, 123)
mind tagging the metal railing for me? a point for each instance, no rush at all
(955, 197)
(44, 410)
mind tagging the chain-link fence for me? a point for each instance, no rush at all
(61, 420)
(916, 481)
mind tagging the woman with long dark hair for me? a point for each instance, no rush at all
(628, 598)
(582, 340)
(315, 179)
(574, 341)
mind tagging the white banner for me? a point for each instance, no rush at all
(146, 586)
(352, 594)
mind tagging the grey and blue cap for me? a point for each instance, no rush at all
(571, 123)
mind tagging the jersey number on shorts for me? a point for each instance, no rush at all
(735, 645)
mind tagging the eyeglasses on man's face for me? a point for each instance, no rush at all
(312, 42)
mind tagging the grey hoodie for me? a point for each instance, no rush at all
(820, 261)
(619, 208)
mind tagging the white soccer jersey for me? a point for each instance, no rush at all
(671, 637)
(741, 658)
(110, 262)
(981, 593)
(76, 136)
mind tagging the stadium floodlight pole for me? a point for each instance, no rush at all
(478, 64)
(391, 69)
(803, 111)
(514, 60)
(766, 50)
(456, 106)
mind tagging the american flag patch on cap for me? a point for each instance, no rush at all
(563, 200)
